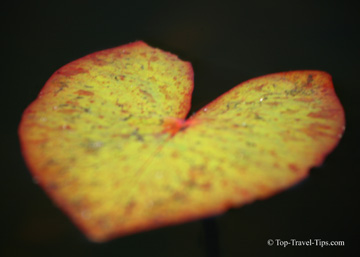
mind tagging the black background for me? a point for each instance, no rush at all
(227, 43)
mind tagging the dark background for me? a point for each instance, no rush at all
(227, 43)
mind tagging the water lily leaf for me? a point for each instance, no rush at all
(108, 141)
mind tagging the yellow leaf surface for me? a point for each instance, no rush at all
(107, 139)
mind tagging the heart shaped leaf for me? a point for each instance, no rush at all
(107, 140)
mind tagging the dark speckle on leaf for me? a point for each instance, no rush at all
(127, 118)
(309, 79)
(137, 135)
